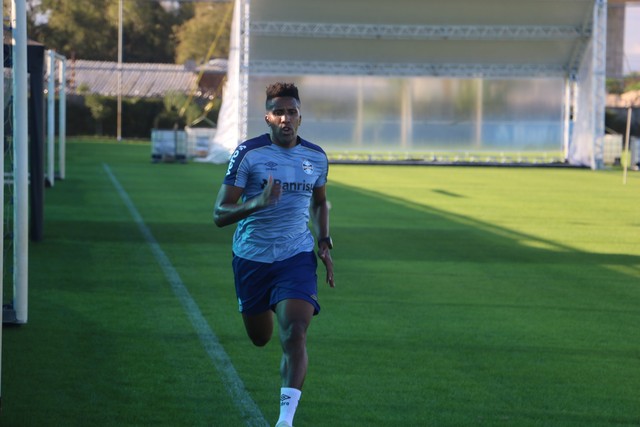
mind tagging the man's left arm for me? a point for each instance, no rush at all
(320, 220)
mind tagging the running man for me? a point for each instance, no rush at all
(274, 184)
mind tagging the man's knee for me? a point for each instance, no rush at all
(294, 333)
(259, 328)
(294, 317)
(259, 340)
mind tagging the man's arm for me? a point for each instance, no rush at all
(228, 210)
(320, 220)
(320, 212)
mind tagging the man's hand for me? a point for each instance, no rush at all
(325, 255)
(228, 210)
(270, 195)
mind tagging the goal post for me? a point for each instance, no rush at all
(20, 176)
(56, 69)
(21, 160)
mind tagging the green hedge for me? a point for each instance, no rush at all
(139, 116)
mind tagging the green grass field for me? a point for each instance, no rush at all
(464, 297)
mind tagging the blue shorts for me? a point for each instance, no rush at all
(260, 286)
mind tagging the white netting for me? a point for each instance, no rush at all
(422, 113)
(581, 147)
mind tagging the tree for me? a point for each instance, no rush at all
(632, 82)
(88, 29)
(195, 36)
(170, 116)
(148, 31)
(31, 15)
(76, 28)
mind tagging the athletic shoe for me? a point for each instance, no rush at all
(283, 424)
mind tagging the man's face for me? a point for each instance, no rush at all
(283, 117)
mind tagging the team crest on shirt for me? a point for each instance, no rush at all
(307, 167)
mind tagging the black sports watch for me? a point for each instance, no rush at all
(327, 240)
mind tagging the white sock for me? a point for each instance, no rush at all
(289, 398)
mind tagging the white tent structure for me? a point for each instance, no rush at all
(425, 74)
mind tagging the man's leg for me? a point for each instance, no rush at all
(294, 316)
(259, 327)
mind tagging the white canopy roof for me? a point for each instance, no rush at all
(457, 38)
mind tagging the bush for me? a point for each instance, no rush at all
(139, 116)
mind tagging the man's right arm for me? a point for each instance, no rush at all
(228, 210)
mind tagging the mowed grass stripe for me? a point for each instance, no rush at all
(221, 361)
(107, 344)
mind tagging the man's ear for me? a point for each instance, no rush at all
(266, 118)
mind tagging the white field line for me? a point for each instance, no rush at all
(245, 404)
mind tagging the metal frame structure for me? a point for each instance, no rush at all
(416, 32)
(244, 41)
(599, 69)
(259, 67)
(518, 41)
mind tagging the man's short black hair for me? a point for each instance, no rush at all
(279, 89)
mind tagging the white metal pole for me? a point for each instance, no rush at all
(51, 116)
(598, 90)
(244, 8)
(21, 156)
(566, 117)
(62, 118)
(119, 106)
(406, 115)
(626, 147)
(479, 113)
(359, 127)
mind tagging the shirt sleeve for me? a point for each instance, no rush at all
(322, 179)
(237, 172)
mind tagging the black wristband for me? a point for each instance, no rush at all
(326, 240)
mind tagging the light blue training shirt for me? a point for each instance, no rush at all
(279, 231)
